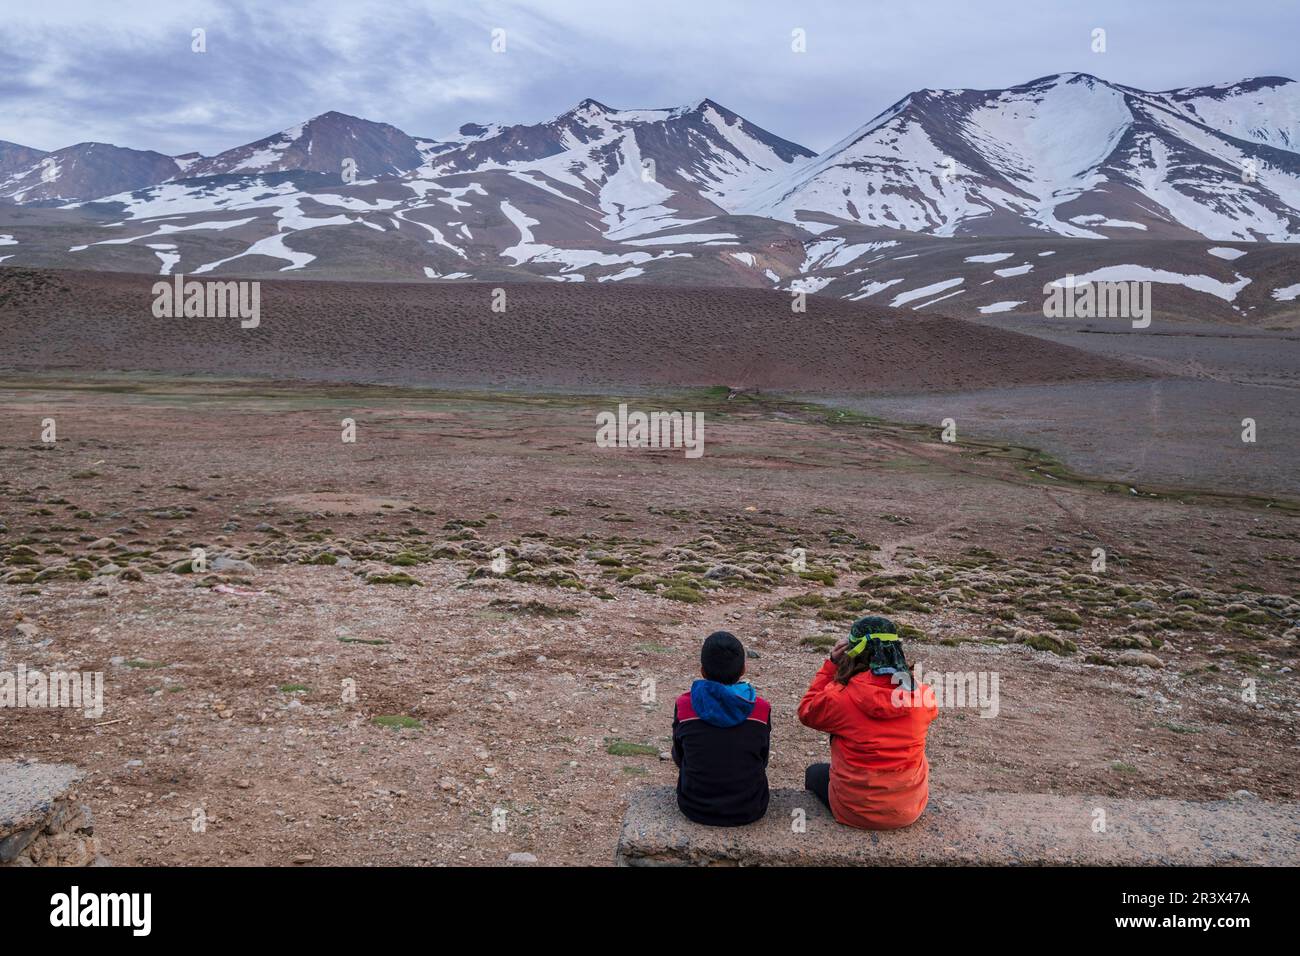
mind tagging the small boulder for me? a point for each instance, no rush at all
(221, 564)
(1140, 659)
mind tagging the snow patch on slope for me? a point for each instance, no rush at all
(1131, 273)
(905, 297)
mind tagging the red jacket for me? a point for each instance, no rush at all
(880, 779)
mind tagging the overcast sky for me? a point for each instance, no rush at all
(123, 71)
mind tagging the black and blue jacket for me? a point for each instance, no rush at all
(722, 734)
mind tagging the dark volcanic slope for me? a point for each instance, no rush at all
(575, 336)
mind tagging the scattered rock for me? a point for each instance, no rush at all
(221, 564)
(1140, 659)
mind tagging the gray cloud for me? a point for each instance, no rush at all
(124, 73)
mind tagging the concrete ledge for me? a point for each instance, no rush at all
(972, 829)
(41, 821)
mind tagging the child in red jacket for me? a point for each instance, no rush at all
(877, 715)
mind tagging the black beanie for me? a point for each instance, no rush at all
(722, 658)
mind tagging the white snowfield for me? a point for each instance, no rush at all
(810, 284)
(165, 229)
(1267, 114)
(167, 256)
(834, 253)
(529, 250)
(871, 288)
(1130, 273)
(905, 297)
(940, 298)
(629, 273)
(680, 238)
(996, 307)
(1288, 293)
(1096, 219)
(272, 246)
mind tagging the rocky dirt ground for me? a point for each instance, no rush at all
(516, 609)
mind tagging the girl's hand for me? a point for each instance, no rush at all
(837, 652)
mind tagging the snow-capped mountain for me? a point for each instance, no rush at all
(593, 192)
(641, 166)
(83, 171)
(15, 158)
(321, 145)
(917, 201)
(1067, 154)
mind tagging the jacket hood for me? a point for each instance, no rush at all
(874, 695)
(722, 705)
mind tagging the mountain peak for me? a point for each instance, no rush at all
(1260, 82)
(1062, 145)
(334, 116)
(1059, 79)
(590, 106)
(1251, 84)
(87, 170)
(321, 144)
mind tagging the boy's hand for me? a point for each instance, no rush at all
(837, 652)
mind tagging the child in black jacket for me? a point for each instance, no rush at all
(722, 733)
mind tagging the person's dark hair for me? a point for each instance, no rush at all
(722, 658)
(850, 667)
(888, 654)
